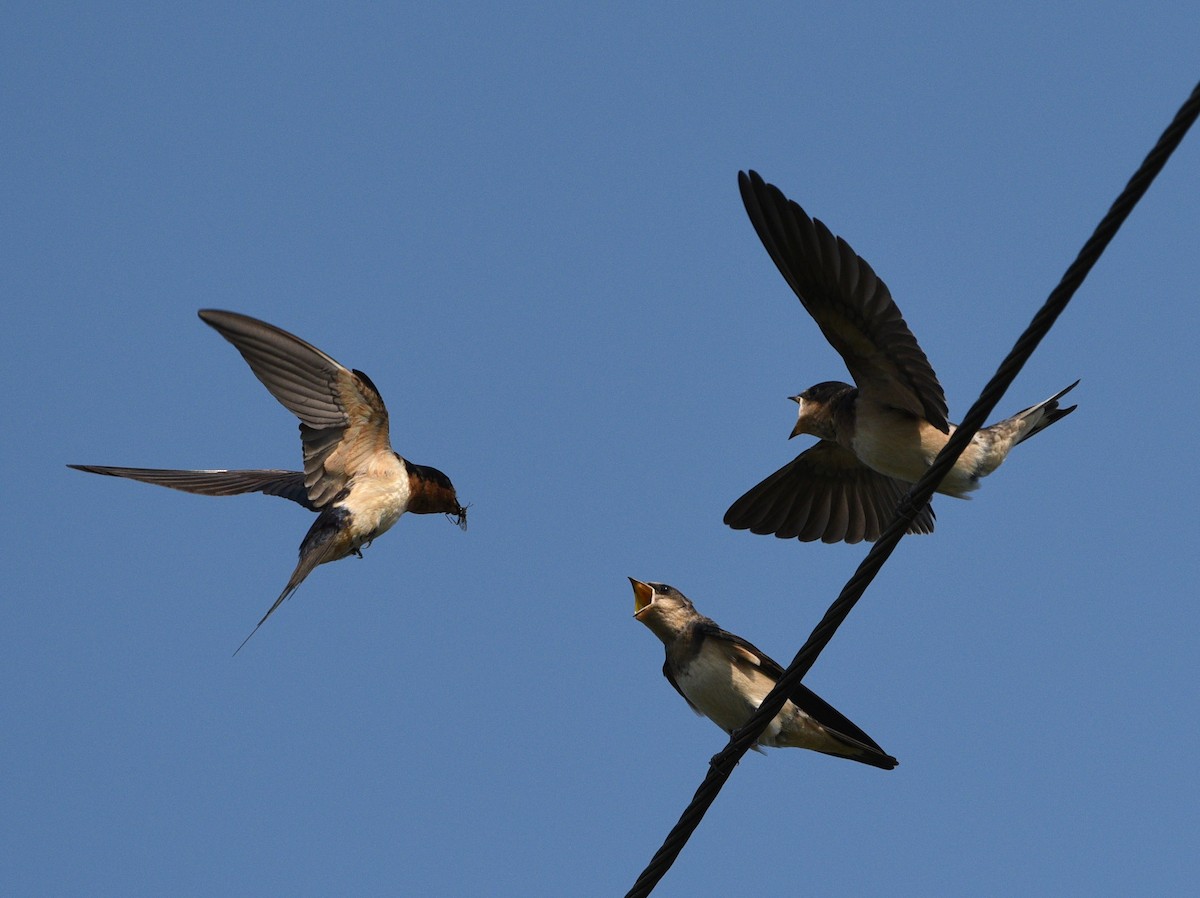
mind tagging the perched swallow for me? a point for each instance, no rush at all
(358, 486)
(725, 678)
(878, 437)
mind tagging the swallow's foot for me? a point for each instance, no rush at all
(721, 762)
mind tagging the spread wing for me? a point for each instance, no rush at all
(824, 493)
(288, 484)
(343, 421)
(850, 304)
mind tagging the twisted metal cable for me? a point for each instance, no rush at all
(722, 764)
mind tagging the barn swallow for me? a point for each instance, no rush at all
(875, 438)
(725, 678)
(358, 486)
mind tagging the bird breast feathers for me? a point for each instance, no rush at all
(894, 442)
(379, 495)
(726, 685)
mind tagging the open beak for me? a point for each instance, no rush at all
(642, 596)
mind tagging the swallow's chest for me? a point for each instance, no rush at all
(893, 442)
(726, 692)
(377, 499)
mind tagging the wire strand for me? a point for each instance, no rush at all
(722, 764)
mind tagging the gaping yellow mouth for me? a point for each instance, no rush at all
(642, 596)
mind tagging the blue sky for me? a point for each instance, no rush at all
(523, 223)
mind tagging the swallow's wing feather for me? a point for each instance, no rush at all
(742, 651)
(824, 493)
(851, 305)
(343, 421)
(746, 653)
(829, 716)
(288, 484)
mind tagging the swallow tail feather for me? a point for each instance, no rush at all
(288, 484)
(1038, 417)
(997, 441)
(326, 540)
(853, 743)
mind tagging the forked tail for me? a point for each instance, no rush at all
(1046, 413)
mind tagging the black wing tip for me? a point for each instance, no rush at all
(223, 321)
(920, 526)
(870, 754)
(751, 183)
(93, 469)
(784, 532)
(734, 518)
(883, 761)
(214, 317)
(230, 324)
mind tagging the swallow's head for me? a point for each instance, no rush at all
(815, 410)
(662, 608)
(433, 493)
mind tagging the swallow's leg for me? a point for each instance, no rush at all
(720, 761)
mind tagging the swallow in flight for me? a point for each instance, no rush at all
(876, 438)
(724, 678)
(357, 485)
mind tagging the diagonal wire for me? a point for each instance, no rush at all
(722, 764)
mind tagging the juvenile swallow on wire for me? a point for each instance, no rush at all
(724, 678)
(357, 485)
(877, 437)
